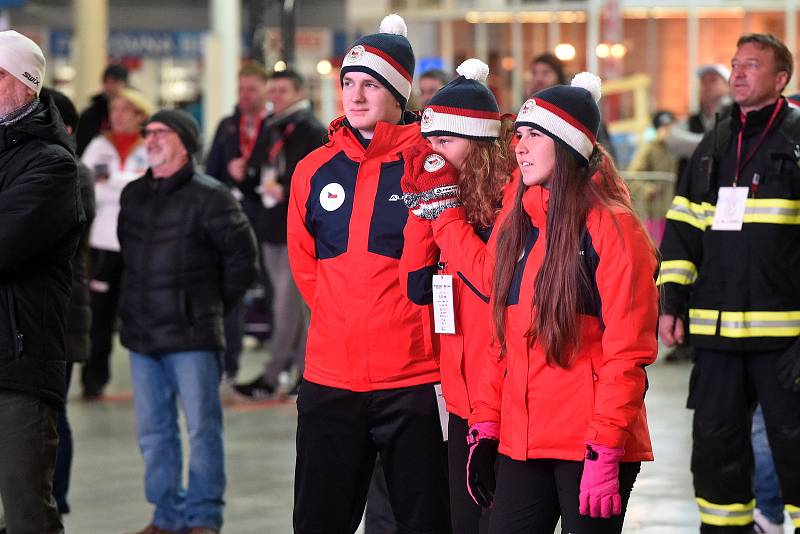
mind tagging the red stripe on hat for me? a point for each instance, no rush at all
(566, 117)
(472, 113)
(390, 60)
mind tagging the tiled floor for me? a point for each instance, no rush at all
(107, 495)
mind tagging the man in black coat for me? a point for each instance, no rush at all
(40, 224)
(189, 255)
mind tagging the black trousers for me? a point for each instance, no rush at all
(378, 516)
(723, 391)
(532, 495)
(63, 467)
(339, 434)
(466, 516)
(28, 442)
(105, 287)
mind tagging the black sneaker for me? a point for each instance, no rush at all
(258, 389)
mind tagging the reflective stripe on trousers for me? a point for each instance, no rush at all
(725, 515)
(794, 514)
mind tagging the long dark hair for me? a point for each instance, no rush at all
(554, 310)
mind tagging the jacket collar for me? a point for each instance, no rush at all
(290, 114)
(166, 186)
(388, 139)
(756, 120)
(535, 201)
(43, 122)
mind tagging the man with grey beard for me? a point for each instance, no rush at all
(40, 223)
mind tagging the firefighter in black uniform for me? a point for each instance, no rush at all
(731, 258)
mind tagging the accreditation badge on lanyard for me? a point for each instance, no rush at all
(731, 204)
(444, 317)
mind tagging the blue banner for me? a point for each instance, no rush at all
(144, 44)
(428, 63)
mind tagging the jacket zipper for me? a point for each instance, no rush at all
(18, 338)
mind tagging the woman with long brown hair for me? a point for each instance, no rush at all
(455, 189)
(575, 306)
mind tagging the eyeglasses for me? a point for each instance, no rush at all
(158, 133)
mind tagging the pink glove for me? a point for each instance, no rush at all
(599, 495)
(429, 184)
(482, 439)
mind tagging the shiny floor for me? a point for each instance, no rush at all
(107, 494)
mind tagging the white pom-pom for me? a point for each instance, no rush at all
(474, 69)
(588, 81)
(393, 24)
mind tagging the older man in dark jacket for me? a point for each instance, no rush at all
(40, 224)
(189, 256)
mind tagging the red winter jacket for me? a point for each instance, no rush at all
(547, 411)
(453, 243)
(345, 238)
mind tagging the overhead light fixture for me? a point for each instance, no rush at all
(324, 67)
(565, 52)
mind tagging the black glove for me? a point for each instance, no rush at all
(483, 441)
(788, 365)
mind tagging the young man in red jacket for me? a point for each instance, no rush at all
(370, 376)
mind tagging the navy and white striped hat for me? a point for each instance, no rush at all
(568, 114)
(465, 107)
(387, 56)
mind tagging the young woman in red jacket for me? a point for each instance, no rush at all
(575, 309)
(466, 168)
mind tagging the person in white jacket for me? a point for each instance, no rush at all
(117, 157)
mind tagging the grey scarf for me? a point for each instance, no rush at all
(18, 114)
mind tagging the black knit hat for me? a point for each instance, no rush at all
(387, 56)
(182, 124)
(568, 114)
(465, 107)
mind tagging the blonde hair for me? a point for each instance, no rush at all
(136, 99)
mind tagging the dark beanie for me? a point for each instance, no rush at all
(568, 114)
(182, 124)
(465, 107)
(387, 56)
